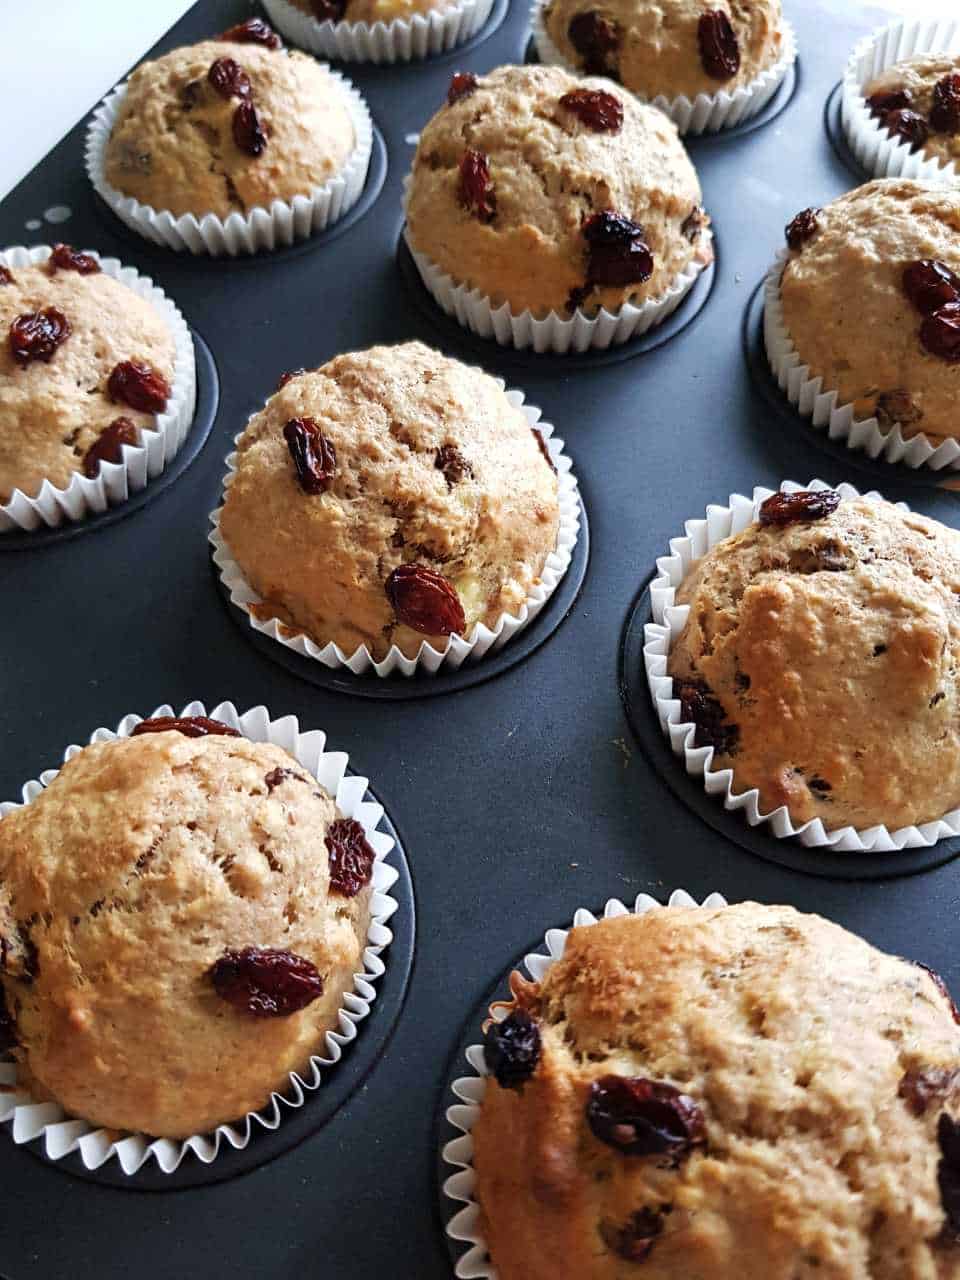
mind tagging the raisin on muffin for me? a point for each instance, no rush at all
(918, 101)
(179, 922)
(871, 300)
(743, 1091)
(551, 193)
(669, 47)
(86, 366)
(371, 11)
(820, 659)
(389, 497)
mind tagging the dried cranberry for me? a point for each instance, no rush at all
(945, 111)
(329, 10)
(248, 131)
(452, 463)
(795, 508)
(907, 125)
(881, 103)
(618, 254)
(596, 39)
(462, 85)
(66, 258)
(597, 109)
(699, 707)
(266, 982)
(137, 385)
(108, 445)
(942, 987)
(36, 335)
(511, 1049)
(229, 79)
(693, 224)
(948, 1171)
(351, 858)
(288, 377)
(920, 1086)
(542, 444)
(801, 228)
(719, 48)
(634, 1240)
(476, 189)
(930, 285)
(644, 1117)
(189, 726)
(940, 333)
(253, 31)
(313, 454)
(6, 276)
(425, 601)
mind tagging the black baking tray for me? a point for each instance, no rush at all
(519, 798)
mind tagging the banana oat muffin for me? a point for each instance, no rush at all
(820, 660)
(370, 11)
(85, 366)
(715, 1093)
(390, 497)
(551, 192)
(177, 930)
(918, 100)
(222, 127)
(871, 300)
(669, 47)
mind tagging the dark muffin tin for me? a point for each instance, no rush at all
(541, 788)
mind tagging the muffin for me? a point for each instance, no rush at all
(370, 11)
(391, 497)
(553, 193)
(669, 47)
(86, 367)
(743, 1091)
(918, 101)
(179, 926)
(870, 297)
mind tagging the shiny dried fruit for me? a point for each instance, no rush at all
(597, 40)
(897, 406)
(511, 1049)
(313, 454)
(425, 601)
(248, 132)
(948, 1172)
(908, 126)
(229, 79)
(462, 84)
(189, 726)
(6, 276)
(942, 987)
(135, 384)
(881, 103)
(699, 707)
(801, 228)
(329, 10)
(351, 857)
(640, 1117)
(719, 47)
(940, 333)
(476, 190)
(793, 508)
(542, 444)
(921, 1086)
(930, 284)
(945, 110)
(265, 981)
(452, 463)
(693, 224)
(634, 1240)
(37, 334)
(65, 258)
(253, 31)
(597, 109)
(288, 377)
(617, 252)
(108, 445)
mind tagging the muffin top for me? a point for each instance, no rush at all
(221, 127)
(67, 330)
(429, 506)
(551, 192)
(820, 659)
(744, 1091)
(669, 47)
(927, 88)
(370, 11)
(130, 892)
(860, 323)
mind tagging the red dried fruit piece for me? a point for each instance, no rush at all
(794, 508)
(921, 1086)
(288, 377)
(462, 84)
(802, 228)
(942, 987)
(930, 285)
(907, 125)
(329, 10)
(948, 1172)
(229, 79)
(248, 131)
(597, 109)
(66, 258)
(640, 1117)
(699, 707)
(945, 111)
(476, 190)
(351, 858)
(253, 31)
(189, 726)
(452, 463)
(265, 981)
(881, 103)
(596, 39)
(511, 1049)
(618, 254)
(634, 1240)
(940, 332)
(425, 601)
(108, 445)
(693, 224)
(719, 47)
(313, 454)
(538, 436)
(37, 334)
(135, 384)
(6, 276)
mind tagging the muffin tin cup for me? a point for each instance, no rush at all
(141, 463)
(464, 1226)
(880, 153)
(282, 224)
(429, 661)
(61, 1135)
(402, 40)
(823, 408)
(661, 635)
(708, 112)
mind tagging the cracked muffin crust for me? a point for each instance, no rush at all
(56, 405)
(930, 86)
(429, 466)
(371, 11)
(789, 1085)
(123, 883)
(847, 312)
(656, 47)
(276, 127)
(555, 172)
(820, 658)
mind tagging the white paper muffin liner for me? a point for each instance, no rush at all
(823, 407)
(708, 112)
(140, 463)
(466, 1226)
(282, 224)
(879, 153)
(457, 650)
(61, 1134)
(402, 40)
(661, 635)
